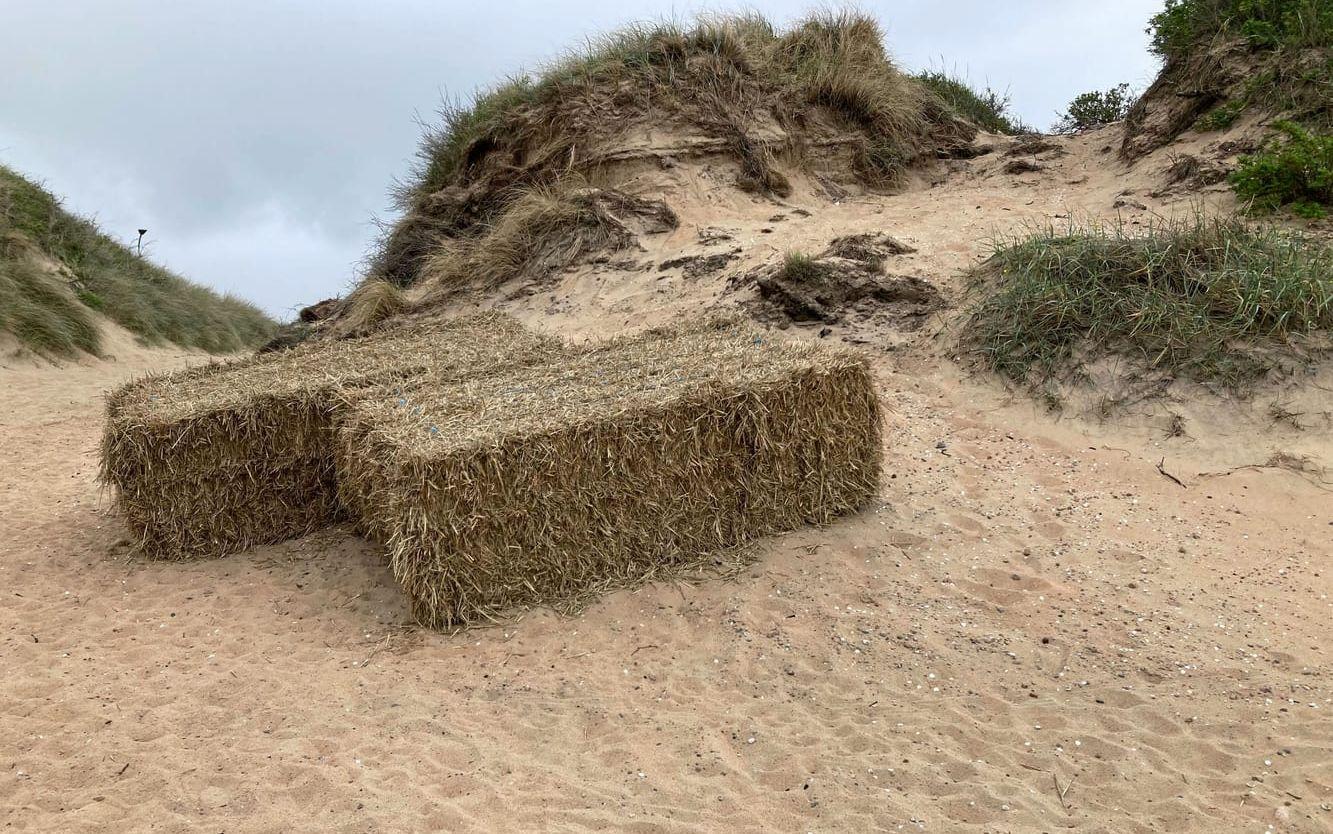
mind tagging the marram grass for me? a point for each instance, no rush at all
(1214, 300)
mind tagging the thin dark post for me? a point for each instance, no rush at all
(142, 232)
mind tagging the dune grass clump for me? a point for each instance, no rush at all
(534, 217)
(38, 308)
(726, 65)
(727, 78)
(648, 59)
(985, 108)
(52, 315)
(218, 458)
(371, 304)
(1210, 299)
(544, 229)
(801, 268)
(645, 456)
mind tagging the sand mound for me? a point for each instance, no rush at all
(821, 98)
(844, 283)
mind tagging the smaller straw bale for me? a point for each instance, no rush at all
(616, 463)
(218, 458)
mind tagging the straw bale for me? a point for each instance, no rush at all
(221, 457)
(617, 463)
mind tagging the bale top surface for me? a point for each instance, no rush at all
(443, 350)
(596, 384)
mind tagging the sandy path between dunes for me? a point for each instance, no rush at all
(1032, 631)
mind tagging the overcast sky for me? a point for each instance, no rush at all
(256, 139)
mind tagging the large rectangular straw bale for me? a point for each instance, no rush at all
(544, 483)
(218, 458)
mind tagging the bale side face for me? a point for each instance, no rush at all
(547, 485)
(230, 509)
(216, 459)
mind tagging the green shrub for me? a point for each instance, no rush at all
(1292, 41)
(1221, 117)
(987, 109)
(1095, 109)
(1209, 299)
(1184, 25)
(1295, 171)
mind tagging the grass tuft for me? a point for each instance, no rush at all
(532, 217)
(41, 312)
(987, 109)
(370, 304)
(1210, 299)
(801, 268)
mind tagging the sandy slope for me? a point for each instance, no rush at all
(1033, 630)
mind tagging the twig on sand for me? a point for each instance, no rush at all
(1062, 791)
(1161, 467)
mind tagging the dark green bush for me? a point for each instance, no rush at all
(1294, 170)
(1094, 109)
(1184, 25)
